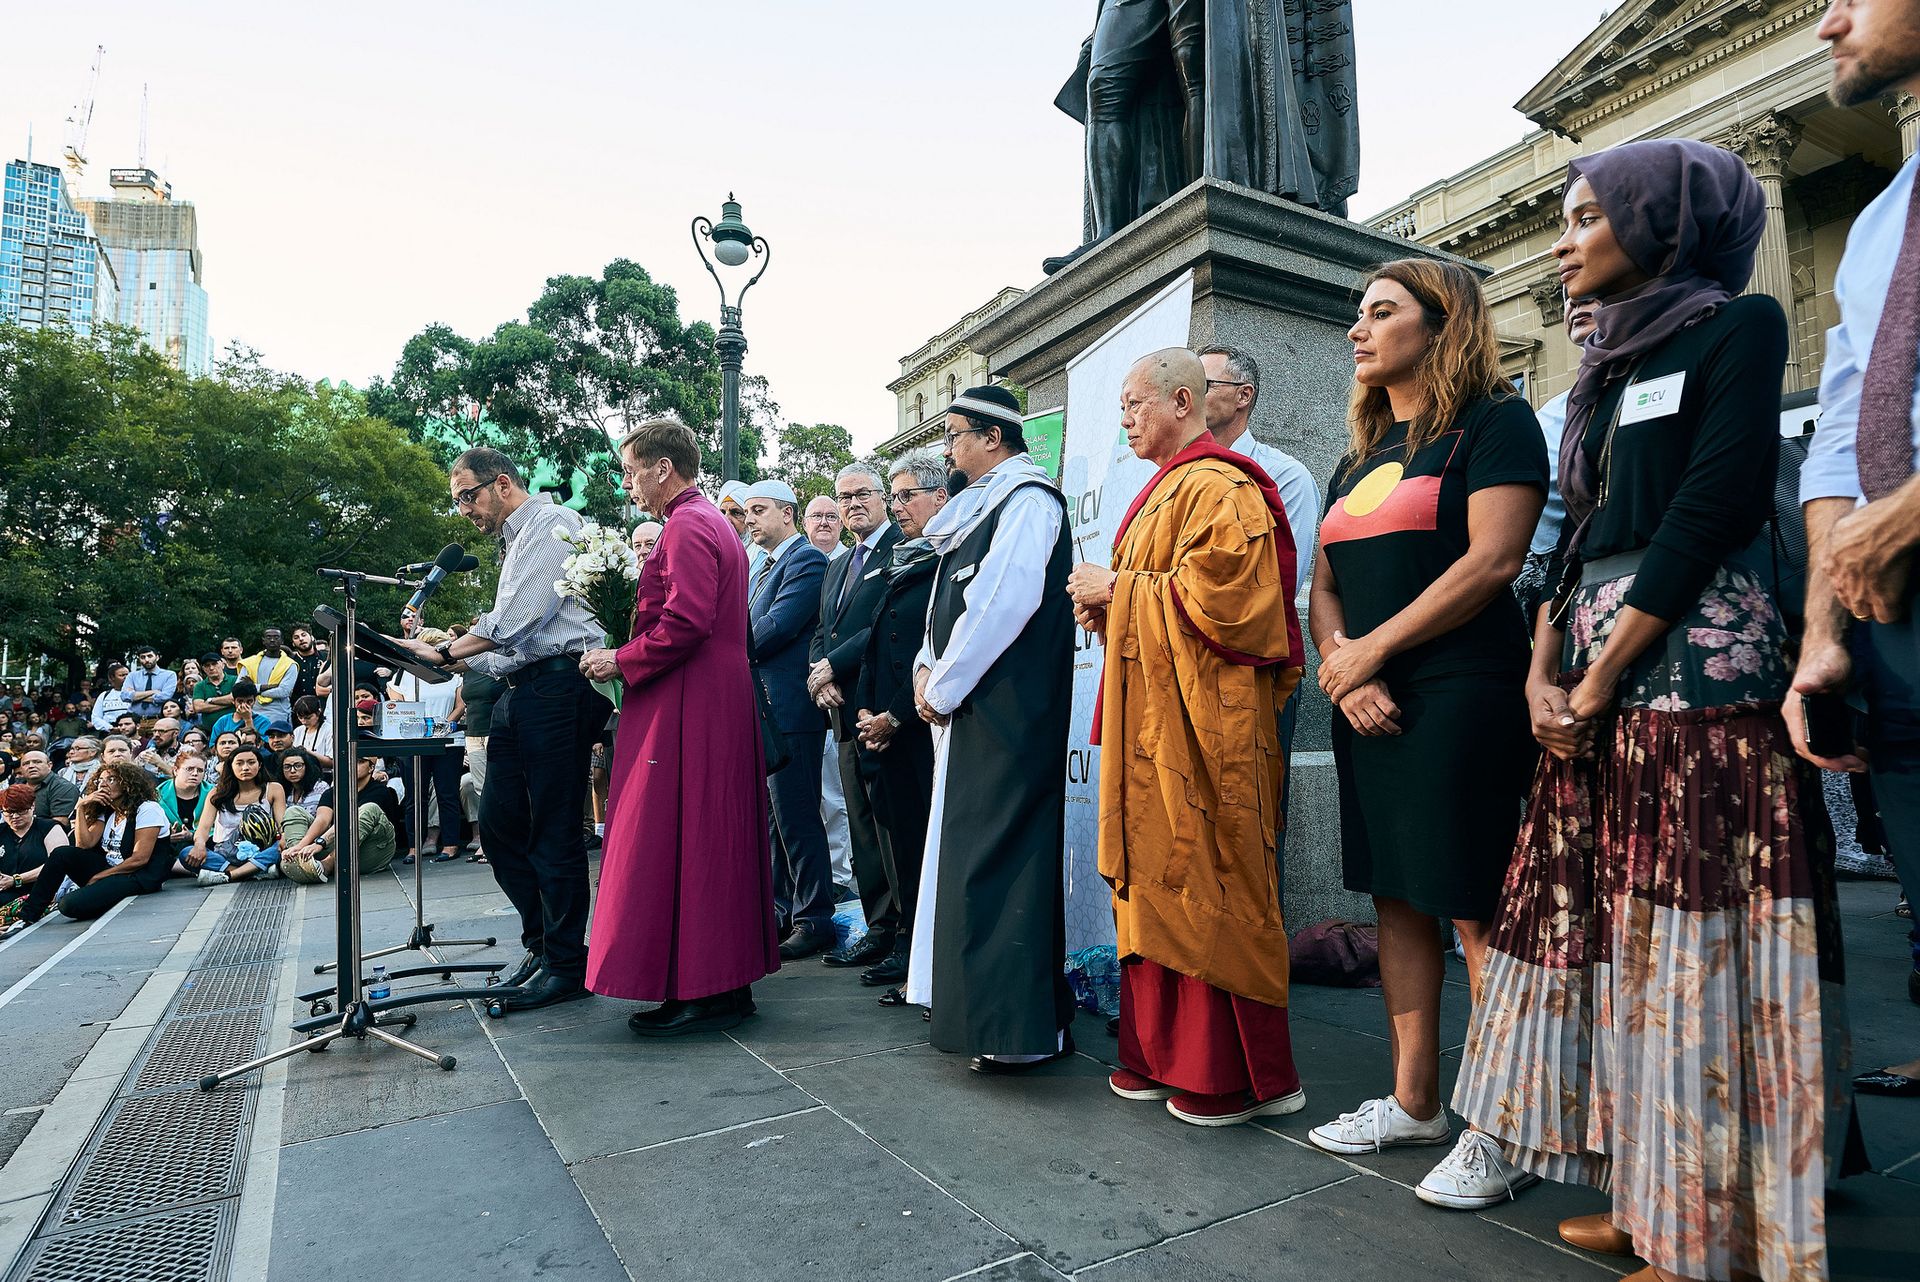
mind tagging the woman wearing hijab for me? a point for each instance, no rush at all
(1654, 1016)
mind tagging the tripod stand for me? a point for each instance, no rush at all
(353, 1014)
(421, 939)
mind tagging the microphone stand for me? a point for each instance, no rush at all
(357, 1016)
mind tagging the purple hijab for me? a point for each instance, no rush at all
(1689, 215)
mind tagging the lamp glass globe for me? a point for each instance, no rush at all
(730, 252)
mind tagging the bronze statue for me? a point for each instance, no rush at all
(1254, 92)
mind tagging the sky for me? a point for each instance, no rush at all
(361, 170)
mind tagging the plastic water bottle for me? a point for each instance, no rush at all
(379, 988)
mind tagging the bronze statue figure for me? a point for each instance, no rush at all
(1254, 92)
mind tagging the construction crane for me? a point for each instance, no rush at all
(80, 121)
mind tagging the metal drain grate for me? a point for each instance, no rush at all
(181, 1246)
(225, 989)
(257, 917)
(188, 1049)
(241, 949)
(161, 1150)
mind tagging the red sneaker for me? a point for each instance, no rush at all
(1230, 1110)
(1133, 1086)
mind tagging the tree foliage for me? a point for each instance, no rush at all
(593, 359)
(142, 506)
(810, 455)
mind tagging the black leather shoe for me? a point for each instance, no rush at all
(805, 941)
(543, 988)
(995, 1067)
(1882, 1081)
(894, 997)
(869, 949)
(521, 973)
(891, 971)
(708, 1015)
(641, 1021)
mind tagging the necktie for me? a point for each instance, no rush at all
(766, 568)
(854, 566)
(1884, 439)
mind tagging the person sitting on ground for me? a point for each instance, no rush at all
(54, 796)
(173, 708)
(313, 731)
(279, 740)
(26, 839)
(182, 797)
(120, 848)
(238, 835)
(244, 713)
(71, 724)
(116, 748)
(310, 853)
(83, 758)
(157, 757)
(224, 746)
(300, 777)
(195, 740)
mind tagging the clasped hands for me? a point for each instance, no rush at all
(876, 729)
(822, 688)
(599, 665)
(1091, 587)
(1349, 676)
(1869, 557)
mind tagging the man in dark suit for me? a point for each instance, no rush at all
(895, 745)
(784, 610)
(853, 586)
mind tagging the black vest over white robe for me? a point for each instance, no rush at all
(999, 943)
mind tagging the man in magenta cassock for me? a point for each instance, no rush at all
(685, 915)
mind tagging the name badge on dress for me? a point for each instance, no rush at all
(1656, 398)
(961, 576)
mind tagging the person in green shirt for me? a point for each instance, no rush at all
(213, 692)
(71, 724)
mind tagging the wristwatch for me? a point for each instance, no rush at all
(442, 649)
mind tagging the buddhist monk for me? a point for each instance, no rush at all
(1199, 626)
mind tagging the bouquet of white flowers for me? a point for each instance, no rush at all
(600, 574)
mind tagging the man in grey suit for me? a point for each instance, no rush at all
(852, 588)
(783, 594)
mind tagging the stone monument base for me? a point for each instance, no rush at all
(1282, 282)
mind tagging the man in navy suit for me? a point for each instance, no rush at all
(853, 589)
(784, 609)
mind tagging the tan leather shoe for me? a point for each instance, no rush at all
(1596, 1233)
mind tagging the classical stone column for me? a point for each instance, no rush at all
(1767, 145)
(1905, 110)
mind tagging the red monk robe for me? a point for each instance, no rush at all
(686, 897)
(1201, 649)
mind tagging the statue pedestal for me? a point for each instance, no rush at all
(1282, 282)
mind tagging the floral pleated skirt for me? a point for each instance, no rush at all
(1661, 1013)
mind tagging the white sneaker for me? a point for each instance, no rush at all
(271, 871)
(1475, 1175)
(1377, 1124)
(208, 877)
(13, 928)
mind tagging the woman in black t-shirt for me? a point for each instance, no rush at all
(25, 843)
(1660, 1013)
(120, 848)
(1424, 654)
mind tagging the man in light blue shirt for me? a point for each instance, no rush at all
(1860, 545)
(149, 686)
(1532, 587)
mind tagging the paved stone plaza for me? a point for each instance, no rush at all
(822, 1139)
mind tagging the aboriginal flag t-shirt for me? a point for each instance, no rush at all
(1394, 524)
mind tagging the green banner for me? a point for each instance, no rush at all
(1045, 433)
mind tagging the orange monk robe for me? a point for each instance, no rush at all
(1191, 765)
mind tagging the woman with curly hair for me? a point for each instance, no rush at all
(120, 848)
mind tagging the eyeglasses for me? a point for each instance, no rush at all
(900, 498)
(464, 498)
(951, 437)
(854, 496)
(1228, 382)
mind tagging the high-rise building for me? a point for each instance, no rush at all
(52, 269)
(154, 242)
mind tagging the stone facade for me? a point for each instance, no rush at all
(933, 374)
(1748, 75)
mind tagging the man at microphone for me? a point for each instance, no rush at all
(544, 725)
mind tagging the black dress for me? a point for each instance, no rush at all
(1429, 815)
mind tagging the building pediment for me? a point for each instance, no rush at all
(1644, 41)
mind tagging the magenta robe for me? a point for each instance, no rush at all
(686, 881)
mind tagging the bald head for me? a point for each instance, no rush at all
(1163, 403)
(645, 535)
(822, 524)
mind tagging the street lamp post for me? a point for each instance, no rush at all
(733, 244)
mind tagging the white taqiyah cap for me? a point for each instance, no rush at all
(778, 491)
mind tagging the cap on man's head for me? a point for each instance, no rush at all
(279, 732)
(989, 405)
(778, 491)
(210, 658)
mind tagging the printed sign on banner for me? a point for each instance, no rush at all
(1101, 477)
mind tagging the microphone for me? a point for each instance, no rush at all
(450, 561)
(421, 567)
